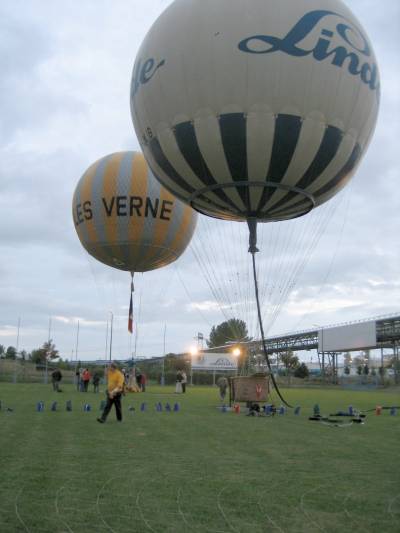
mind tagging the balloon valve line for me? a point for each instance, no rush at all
(252, 223)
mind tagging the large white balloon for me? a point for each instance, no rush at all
(255, 109)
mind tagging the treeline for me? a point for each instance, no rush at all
(47, 352)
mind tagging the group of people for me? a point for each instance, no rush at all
(135, 381)
(181, 381)
(117, 382)
(83, 377)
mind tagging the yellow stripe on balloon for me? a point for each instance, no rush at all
(110, 182)
(182, 233)
(138, 188)
(86, 196)
(160, 229)
(110, 191)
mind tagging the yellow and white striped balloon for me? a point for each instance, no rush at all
(126, 219)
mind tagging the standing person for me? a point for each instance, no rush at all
(222, 383)
(178, 386)
(78, 379)
(96, 382)
(115, 385)
(184, 381)
(56, 378)
(81, 382)
(86, 378)
(143, 382)
(139, 379)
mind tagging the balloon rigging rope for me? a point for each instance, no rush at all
(226, 269)
(218, 287)
(346, 197)
(262, 331)
(201, 259)
(301, 251)
(203, 316)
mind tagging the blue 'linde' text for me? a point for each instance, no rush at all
(143, 73)
(359, 57)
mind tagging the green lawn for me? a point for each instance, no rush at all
(198, 469)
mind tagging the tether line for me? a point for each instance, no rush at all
(253, 250)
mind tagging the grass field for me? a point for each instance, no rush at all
(197, 469)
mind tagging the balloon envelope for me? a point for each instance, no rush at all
(126, 219)
(255, 109)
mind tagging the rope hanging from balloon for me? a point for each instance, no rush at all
(252, 223)
(130, 317)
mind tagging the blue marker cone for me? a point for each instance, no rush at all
(351, 410)
(393, 411)
(167, 407)
(40, 406)
(143, 407)
(317, 410)
(53, 406)
(281, 410)
(176, 407)
(87, 407)
(158, 407)
(68, 405)
(297, 410)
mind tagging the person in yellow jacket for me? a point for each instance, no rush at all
(115, 386)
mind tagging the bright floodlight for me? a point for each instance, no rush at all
(236, 352)
(193, 351)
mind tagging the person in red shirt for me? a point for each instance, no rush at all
(86, 378)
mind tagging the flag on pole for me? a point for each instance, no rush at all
(130, 319)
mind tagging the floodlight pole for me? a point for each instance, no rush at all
(111, 333)
(77, 341)
(16, 351)
(163, 361)
(323, 354)
(46, 377)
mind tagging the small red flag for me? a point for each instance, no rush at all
(130, 319)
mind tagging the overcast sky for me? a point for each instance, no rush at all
(64, 103)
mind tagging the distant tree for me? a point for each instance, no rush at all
(359, 370)
(11, 353)
(46, 352)
(2, 351)
(230, 331)
(301, 371)
(290, 362)
(365, 370)
(174, 362)
(347, 370)
(24, 355)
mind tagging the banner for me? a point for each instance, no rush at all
(214, 361)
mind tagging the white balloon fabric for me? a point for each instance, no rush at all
(255, 109)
